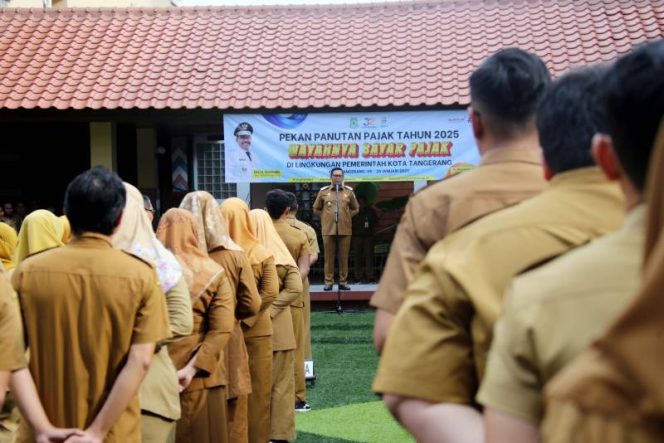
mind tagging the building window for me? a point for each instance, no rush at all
(209, 168)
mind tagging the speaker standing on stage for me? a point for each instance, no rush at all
(336, 205)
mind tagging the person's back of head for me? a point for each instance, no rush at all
(292, 202)
(568, 117)
(276, 203)
(633, 99)
(506, 90)
(94, 201)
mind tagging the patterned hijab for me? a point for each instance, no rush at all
(269, 238)
(178, 232)
(8, 241)
(212, 230)
(41, 230)
(135, 236)
(241, 229)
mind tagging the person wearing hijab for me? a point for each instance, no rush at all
(613, 392)
(8, 242)
(198, 356)
(214, 237)
(257, 329)
(159, 395)
(10, 323)
(41, 230)
(282, 413)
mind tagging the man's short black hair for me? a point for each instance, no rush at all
(634, 106)
(292, 201)
(507, 88)
(276, 203)
(337, 168)
(94, 200)
(568, 118)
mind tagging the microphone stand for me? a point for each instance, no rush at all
(336, 248)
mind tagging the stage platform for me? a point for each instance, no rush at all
(357, 293)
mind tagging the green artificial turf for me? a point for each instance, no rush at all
(344, 408)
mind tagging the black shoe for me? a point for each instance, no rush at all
(302, 406)
(327, 288)
(344, 287)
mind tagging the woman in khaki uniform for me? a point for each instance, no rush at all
(9, 415)
(197, 357)
(41, 230)
(213, 234)
(258, 329)
(159, 395)
(282, 421)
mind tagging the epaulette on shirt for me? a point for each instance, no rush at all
(348, 187)
(325, 187)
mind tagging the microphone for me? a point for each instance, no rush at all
(336, 187)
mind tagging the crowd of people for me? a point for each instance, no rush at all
(520, 300)
(112, 332)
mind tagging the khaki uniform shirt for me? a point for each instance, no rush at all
(213, 323)
(298, 246)
(159, 391)
(325, 206)
(12, 355)
(235, 365)
(553, 313)
(308, 231)
(505, 176)
(290, 288)
(241, 278)
(267, 282)
(84, 305)
(437, 347)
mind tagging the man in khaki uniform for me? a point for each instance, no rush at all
(92, 315)
(553, 313)
(301, 404)
(277, 203)
(336, 205)
(435, 355)
(510, 171)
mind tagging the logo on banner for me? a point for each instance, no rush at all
(369, 122)
(285, 121)
(353, 123)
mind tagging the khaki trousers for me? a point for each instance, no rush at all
(156, 429)
(297, 314)
(329, 245)
(306, 297)
(260, 367)
(238, 419)
(204, 416)
(282, 407)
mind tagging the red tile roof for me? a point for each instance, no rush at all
(392, 54)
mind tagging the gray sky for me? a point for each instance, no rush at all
(274, 2)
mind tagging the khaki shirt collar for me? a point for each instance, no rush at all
(509, 154)
(582, 176)
(91, 239)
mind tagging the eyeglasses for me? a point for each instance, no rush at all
(337, 175)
